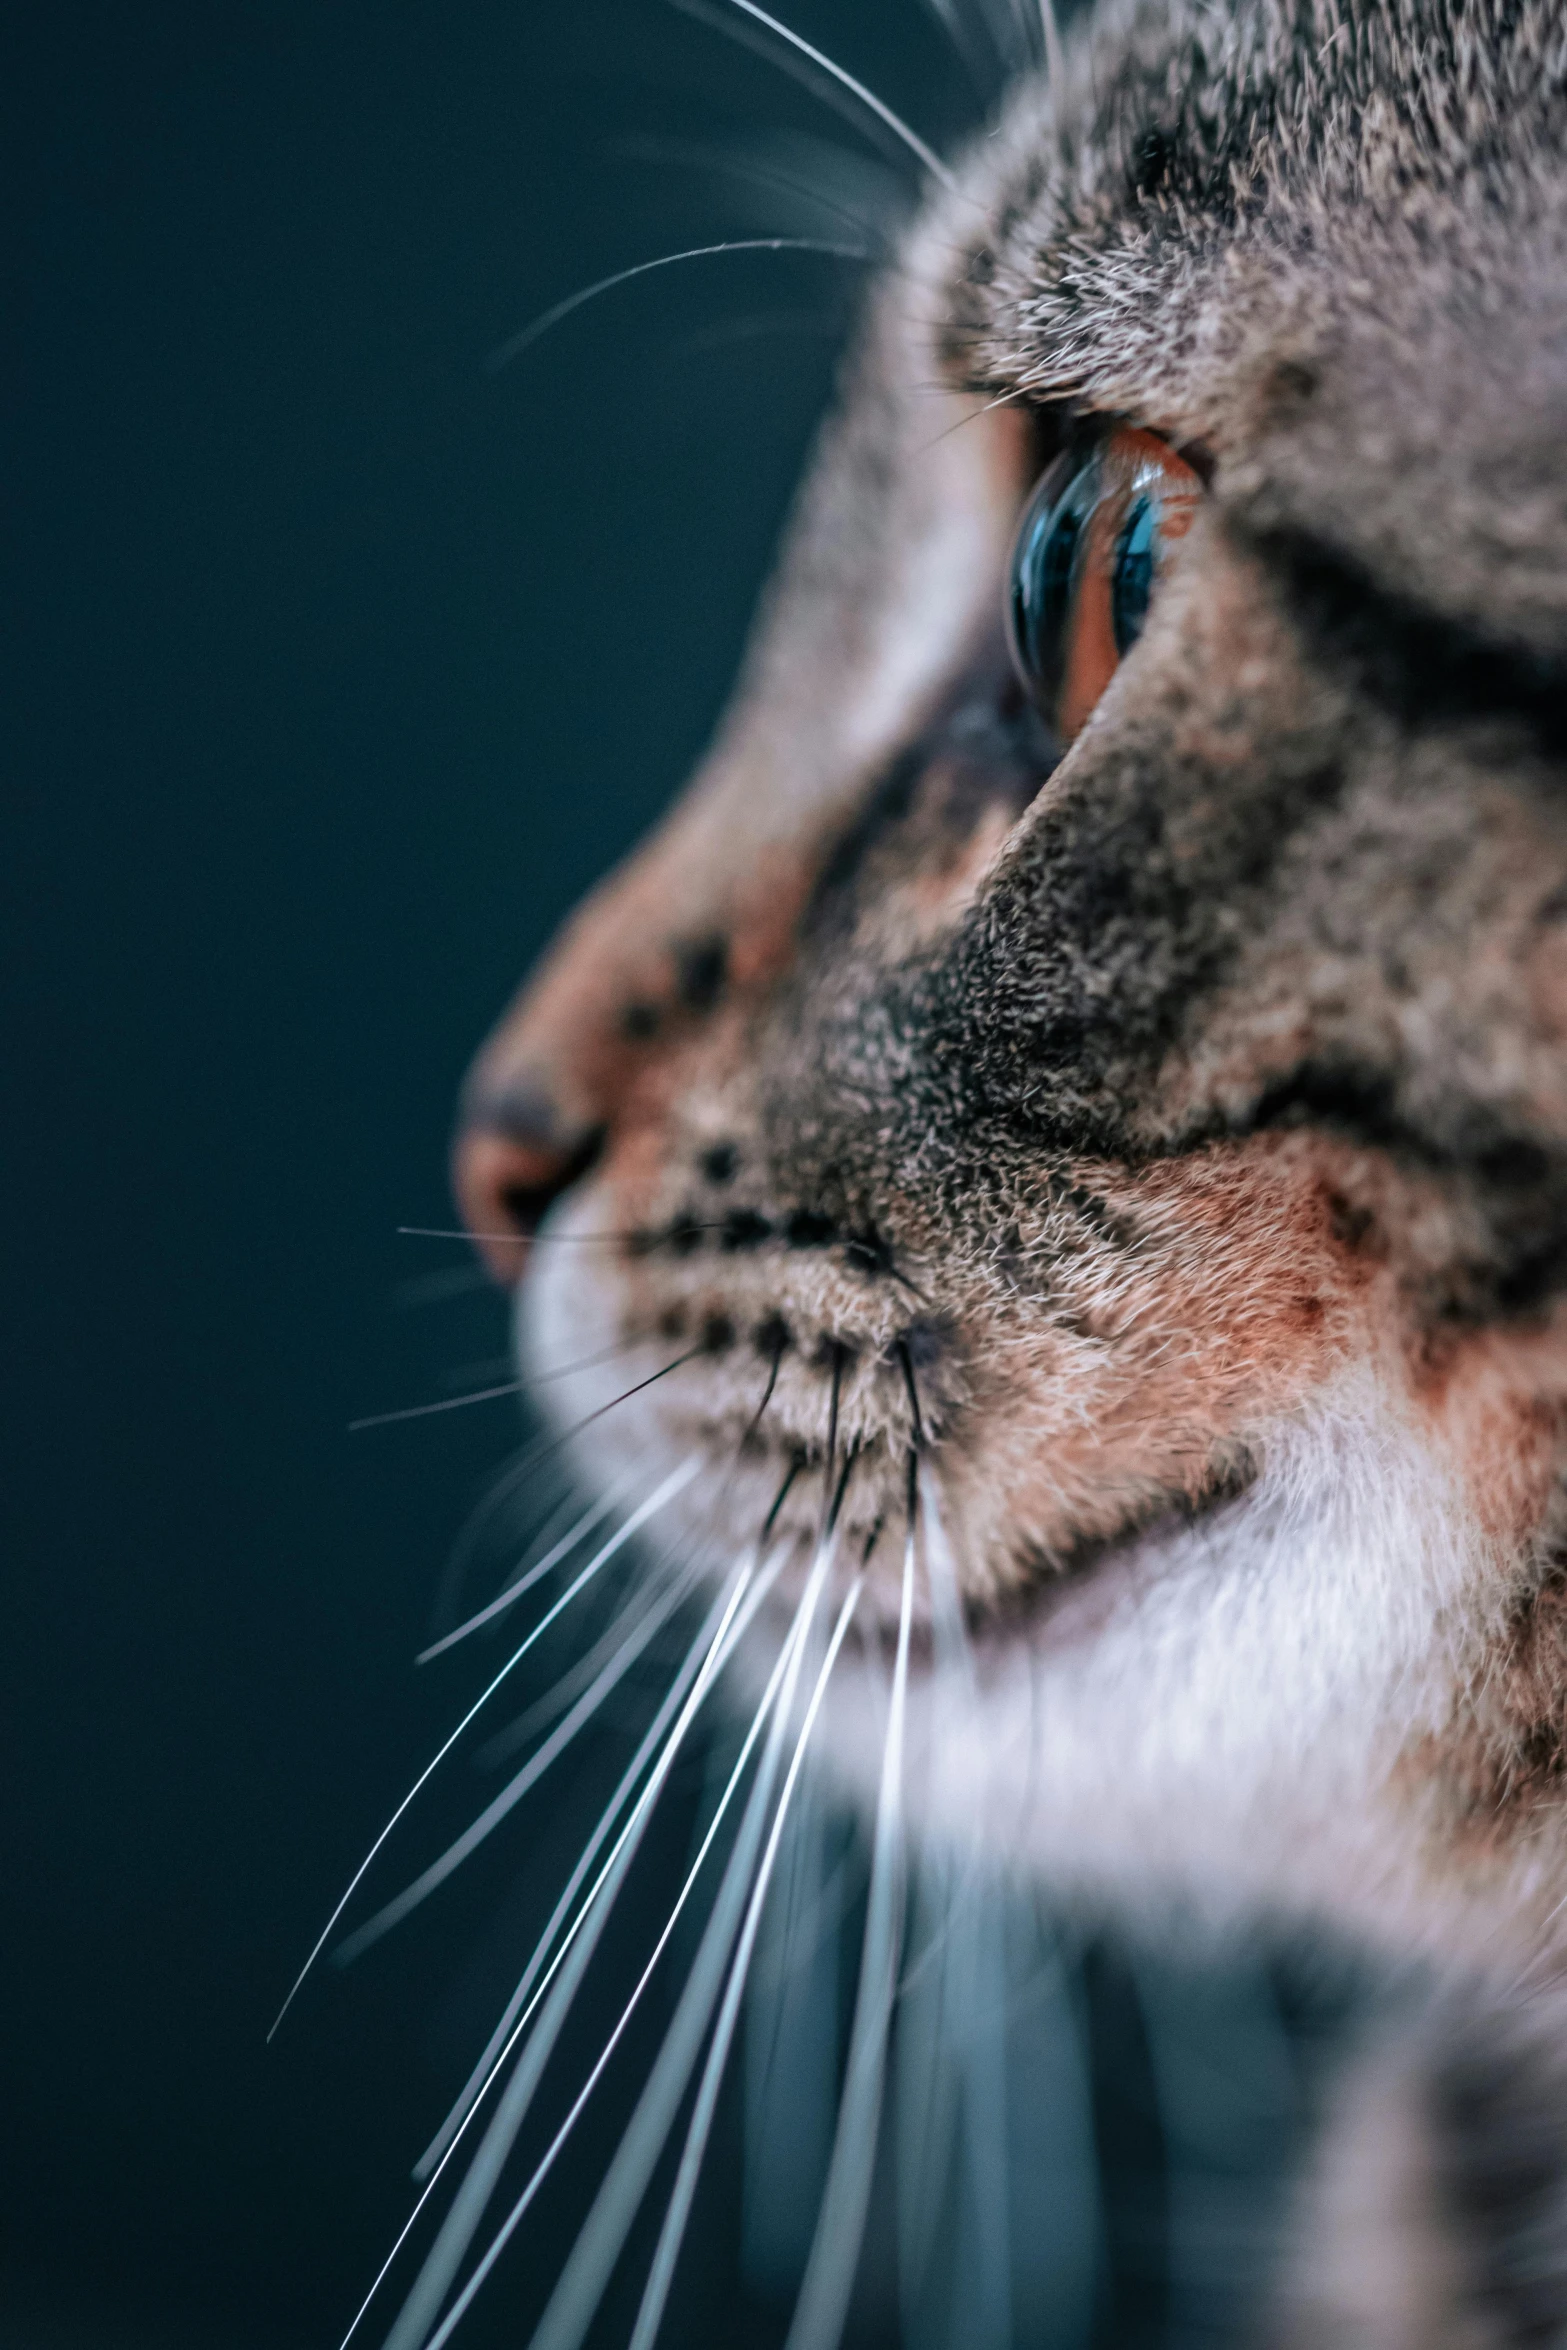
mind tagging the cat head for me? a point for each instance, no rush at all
(1096, 1025)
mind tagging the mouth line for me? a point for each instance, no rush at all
(1045, 1598)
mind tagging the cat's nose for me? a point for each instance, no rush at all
(514, 1154)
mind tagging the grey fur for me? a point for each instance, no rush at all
(1121, 1103)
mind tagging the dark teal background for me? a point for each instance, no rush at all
(335, 666)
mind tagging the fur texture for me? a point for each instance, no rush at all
(1184, 1115)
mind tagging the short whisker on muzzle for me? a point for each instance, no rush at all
(532, 1457)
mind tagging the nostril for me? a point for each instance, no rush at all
(505, 1181)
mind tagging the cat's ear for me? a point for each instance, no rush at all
(895, 560)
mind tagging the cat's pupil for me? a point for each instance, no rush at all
(1132, 579)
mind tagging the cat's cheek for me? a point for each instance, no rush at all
(1215, 1296)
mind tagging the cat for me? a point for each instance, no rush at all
(1065, 1126)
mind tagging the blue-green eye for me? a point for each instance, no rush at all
(1131, 582)
(1095, 537)
(1045, 564)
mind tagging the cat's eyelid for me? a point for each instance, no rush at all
(1059, 424)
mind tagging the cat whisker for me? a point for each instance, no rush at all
(605, 1354)
(533, 1573)
(916, 1420)
(954, 1676)
(833, 1501)
(433, 1289)
(761, 175)
(462, 2220)
(1007, 399)
(1008, 29)
(710, 1641)
(602, 2236)
(711, 1651)
(502, 1744)
(506, 1741)
(538, 1539)
(1055, 64)
(756, 328)
(543, 1448)
(674, 1483)
(628, 1645)
(955, 26)
(514, 347)
(755, 1422)
(454, 1403)
(829, 2275)
(929, 161)
(425, 1411)
(671, 2236)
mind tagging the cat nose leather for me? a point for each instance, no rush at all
(544, 1093)
(513, 1156)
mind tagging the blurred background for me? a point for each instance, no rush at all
(338, 662)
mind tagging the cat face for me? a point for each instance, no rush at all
(1097, 1024)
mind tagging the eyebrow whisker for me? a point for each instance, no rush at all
(524, 340)
(926, 156)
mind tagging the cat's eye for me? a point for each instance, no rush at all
(1097, 534)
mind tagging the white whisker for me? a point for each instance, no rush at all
(762, 175)
(711, 1647)
(533, 1573)
(789, 2066)
(425, 1411)
(677, 1480)
(955, 26)
(434, 1289)
(503, 1744)
(650, 2315)
(544, 1447)
(599, 2241)
(1050, 24)
(928, 159)
(529, 335)
(829, 2275)
(626, 1650)
(977, 2031)
(928, 2101)
(734, 1621)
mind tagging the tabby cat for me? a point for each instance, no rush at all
(1070, 1111)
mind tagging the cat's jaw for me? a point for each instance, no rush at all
(1214, 1714)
